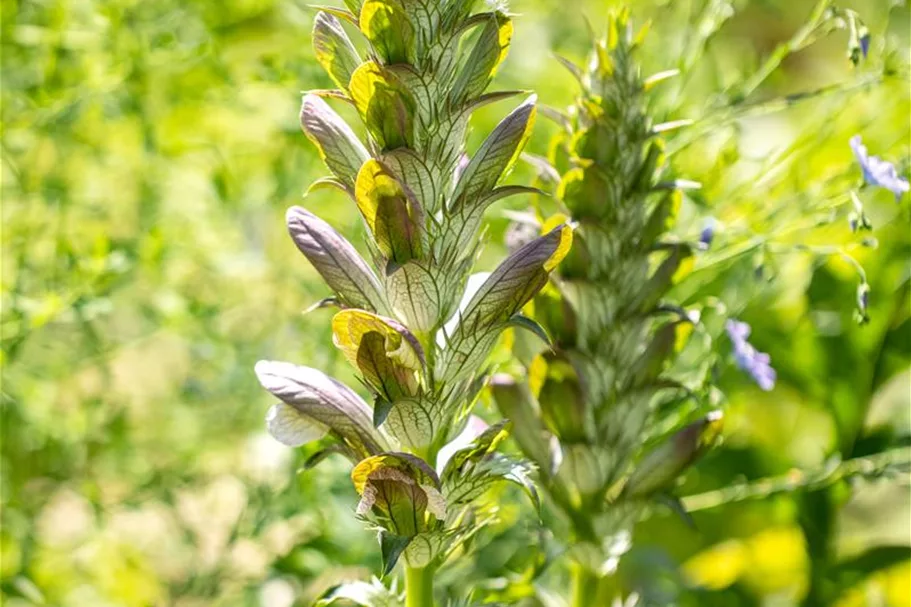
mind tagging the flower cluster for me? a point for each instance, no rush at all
(878, 172)
(749, 359)
(400, 325)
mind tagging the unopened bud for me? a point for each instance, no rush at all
(665, 463)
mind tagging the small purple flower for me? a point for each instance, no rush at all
(863, 297)
(748, 358)
(865, 44)
(878, 172)
(708, 232)
(460, 168)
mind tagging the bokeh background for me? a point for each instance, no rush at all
(149, 150)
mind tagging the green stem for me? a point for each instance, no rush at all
(584, 586)
(418, 587)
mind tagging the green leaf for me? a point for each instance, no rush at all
(520, 473)
(518, 278)
(414, 297)
(388, 379)
(333, 49)
(391, 548)
(474, 452)
(414, 174)
(488, 53)
(668, 340)
(471, 470)
(675, 266)
(354, 6)
(524, 322)
(291, 427)
(660, 467)
(583, 191)
(503, 294)
(386, 25)
(381, 408)
(327, 183)
(326, 401)
(487, 98)
(425, 547)
(336, 260)
(338, 146)
(563, 406)
(393, 214)
(411, 422)
(495, 157)
(315, 459)
(385, 104)
(516, 402)
(340, 13)
(572, 68)
(662, 218)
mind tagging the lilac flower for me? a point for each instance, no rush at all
(748, 358)
(865, 44)
(878, 172)
(708, 232)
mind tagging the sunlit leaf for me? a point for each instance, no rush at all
(411, 422)
(662, 218)
(414, 296)
(391, 548)
(515, 281)
(674, 267)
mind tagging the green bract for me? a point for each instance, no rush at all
(426, 72)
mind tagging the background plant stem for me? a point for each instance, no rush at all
(584, 586)
(418, 587)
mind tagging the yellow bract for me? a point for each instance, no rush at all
(388, 29)
(553, 221)
(385, 104)
(684, 269)
(504, 37)
(374, 183)
(361, 473)
(350, 326)
(566, 241)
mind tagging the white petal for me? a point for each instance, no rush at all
(291, 427)
(471, 287)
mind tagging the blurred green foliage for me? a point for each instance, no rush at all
(149, 150)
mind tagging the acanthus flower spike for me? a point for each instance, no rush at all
(422, 199)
